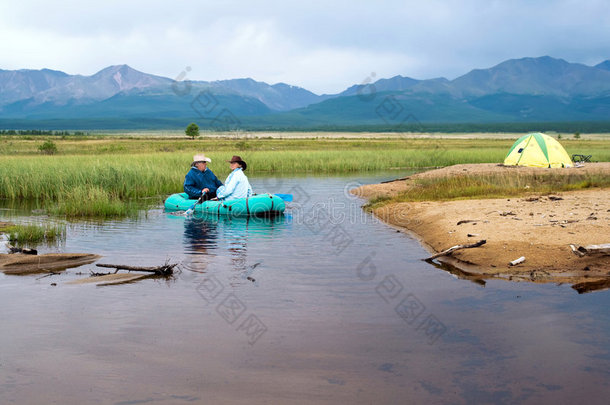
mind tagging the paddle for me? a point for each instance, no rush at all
(285, 197)
(190, 210)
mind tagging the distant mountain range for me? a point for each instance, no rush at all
(518, 90)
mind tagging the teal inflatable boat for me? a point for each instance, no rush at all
(257, 205)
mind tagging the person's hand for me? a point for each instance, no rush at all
(205, 190)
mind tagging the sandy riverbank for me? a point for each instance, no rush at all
(539, 227)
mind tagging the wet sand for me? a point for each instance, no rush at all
(538, 227)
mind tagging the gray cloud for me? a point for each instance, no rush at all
(321, 45)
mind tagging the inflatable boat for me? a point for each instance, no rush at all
(257, 205)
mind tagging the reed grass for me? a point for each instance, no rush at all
(23, 234)
(143, 175)
(81, 186)
(91, 201)
(106, 176)
(122, 177)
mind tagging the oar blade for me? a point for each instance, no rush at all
(189, 212)
(285, 197)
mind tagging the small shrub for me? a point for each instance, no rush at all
(48, 148)
(242, 145)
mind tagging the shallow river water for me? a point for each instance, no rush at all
(324, 305)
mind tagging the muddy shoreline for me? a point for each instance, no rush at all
(537, 227)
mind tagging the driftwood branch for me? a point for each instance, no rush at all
(165, 270)
(467, 221)
(26, 251)
(591, 249)
(400, 179)
(454, 248)
(48, 275)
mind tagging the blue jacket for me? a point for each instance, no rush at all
(196, 180)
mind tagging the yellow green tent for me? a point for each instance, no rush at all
(537, 150)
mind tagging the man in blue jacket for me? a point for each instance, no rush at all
(200, 180)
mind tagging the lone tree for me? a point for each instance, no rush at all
(192, 130)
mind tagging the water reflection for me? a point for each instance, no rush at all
(206, 237)
(200, 235)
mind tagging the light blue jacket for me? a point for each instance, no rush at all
(236, 186)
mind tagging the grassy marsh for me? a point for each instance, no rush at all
(105, 176)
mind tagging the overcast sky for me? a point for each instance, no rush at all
(324, 46)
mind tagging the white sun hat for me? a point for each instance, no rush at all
(201, 158)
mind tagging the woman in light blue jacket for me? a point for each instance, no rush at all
(237, 184)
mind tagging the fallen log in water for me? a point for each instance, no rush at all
(454, 248)
(165, 270)
(111, 279)
(25, 251)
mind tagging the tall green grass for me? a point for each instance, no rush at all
(33, 233)
(105, 177)
(105, 186)
(123, 176)
(135, 176)
(91, 201)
